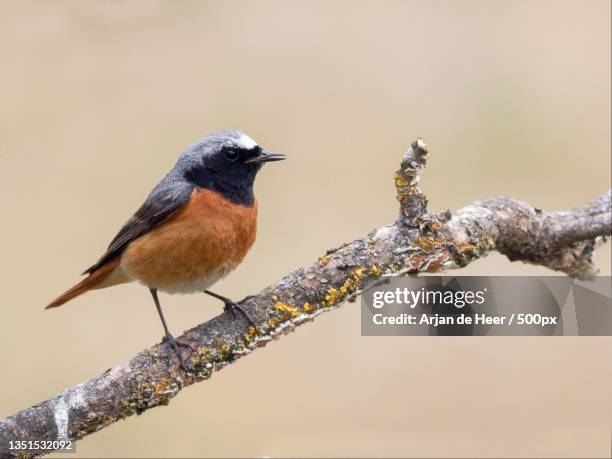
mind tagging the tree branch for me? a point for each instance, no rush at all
(418, 241)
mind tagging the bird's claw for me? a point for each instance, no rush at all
(232, 307)
(182, 342)
(174, 344)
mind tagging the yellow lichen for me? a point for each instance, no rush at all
(400, 180)
(161, 386)
(286, 309)
(203, 351)
(283, 312)
(428, 243)
(202, 362)
(250, 334)
(463, 247)
(350, 285)
(332, 297)
(324, 260)
(223, 349)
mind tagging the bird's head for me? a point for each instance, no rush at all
(225, 161)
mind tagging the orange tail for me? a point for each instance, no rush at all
(104, 276)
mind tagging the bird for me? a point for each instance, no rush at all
(194, 227)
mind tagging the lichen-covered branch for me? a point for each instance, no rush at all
(418, 241)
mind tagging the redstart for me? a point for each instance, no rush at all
(195, 227)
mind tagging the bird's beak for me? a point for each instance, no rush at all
(264, 157)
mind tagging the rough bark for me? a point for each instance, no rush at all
(418, 241)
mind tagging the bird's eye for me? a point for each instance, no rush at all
(231, 155)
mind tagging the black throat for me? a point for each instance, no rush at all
(235, 185)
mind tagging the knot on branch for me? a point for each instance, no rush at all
(413, 202)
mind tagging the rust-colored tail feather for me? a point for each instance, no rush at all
(92, 281)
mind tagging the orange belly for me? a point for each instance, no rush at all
(196, 246)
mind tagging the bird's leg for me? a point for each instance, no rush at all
(168, 336)
(231, 306)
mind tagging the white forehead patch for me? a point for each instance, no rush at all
(246, 142)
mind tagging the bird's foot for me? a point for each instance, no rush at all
(182, 342)
(231, 307)
(175, 344)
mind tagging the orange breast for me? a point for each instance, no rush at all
(194, 247)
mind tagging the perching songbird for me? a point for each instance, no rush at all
(195, 227)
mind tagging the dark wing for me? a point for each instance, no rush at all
(166, 198)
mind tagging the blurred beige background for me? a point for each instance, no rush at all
(98, 99)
